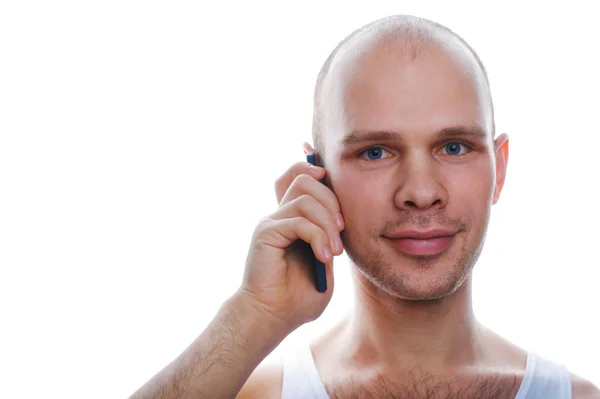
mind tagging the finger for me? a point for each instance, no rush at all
(282, 233)
(284, 181)
(305, 184)
(309, 208)
(307, 148)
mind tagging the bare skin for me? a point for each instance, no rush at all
(412, 331)
(415, 310)
(414, 313)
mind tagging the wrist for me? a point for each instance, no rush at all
(263, 329)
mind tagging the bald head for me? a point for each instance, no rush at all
(404, 38)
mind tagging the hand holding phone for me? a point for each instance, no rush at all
(280, 275)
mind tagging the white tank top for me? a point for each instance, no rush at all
(543, 378)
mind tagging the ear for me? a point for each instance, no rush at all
(307, 148)
(501, 151)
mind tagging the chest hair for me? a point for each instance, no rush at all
(427, 387)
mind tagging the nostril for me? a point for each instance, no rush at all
(412, 204)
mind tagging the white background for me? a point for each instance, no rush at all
(140, 142)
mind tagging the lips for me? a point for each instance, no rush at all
(422, 243)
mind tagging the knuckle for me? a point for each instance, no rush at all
(303, 180)
(300, 184)
(263, 225)
(300, 223)
(304, 204)
(305, 200)
(298, 166)
(294, 171)
(301, 220)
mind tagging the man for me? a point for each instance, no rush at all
(404, 130)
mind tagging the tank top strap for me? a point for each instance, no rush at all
(544, 379)
(300, 376)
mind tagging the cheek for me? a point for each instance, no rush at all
(471, 189)
(359, 198)
(473, 180)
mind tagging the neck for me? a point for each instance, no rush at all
(439, 335)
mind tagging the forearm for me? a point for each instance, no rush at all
(220, 360)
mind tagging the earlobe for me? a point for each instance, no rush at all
(501, 148)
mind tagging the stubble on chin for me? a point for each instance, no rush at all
(412, 277)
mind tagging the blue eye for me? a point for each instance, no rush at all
(453, 148)
(374, 153)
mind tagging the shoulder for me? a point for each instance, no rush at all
(583, 389)
(264, 382)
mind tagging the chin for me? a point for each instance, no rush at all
(417, 278)
(417, 285)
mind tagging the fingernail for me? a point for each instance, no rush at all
(327, 253)
(339, 220)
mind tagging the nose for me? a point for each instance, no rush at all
(420, 187)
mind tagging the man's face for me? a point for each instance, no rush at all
(415, 179)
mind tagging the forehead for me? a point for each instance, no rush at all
(390, 86)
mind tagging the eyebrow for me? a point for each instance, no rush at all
(365, 136)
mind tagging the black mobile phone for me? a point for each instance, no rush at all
(320, 277)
